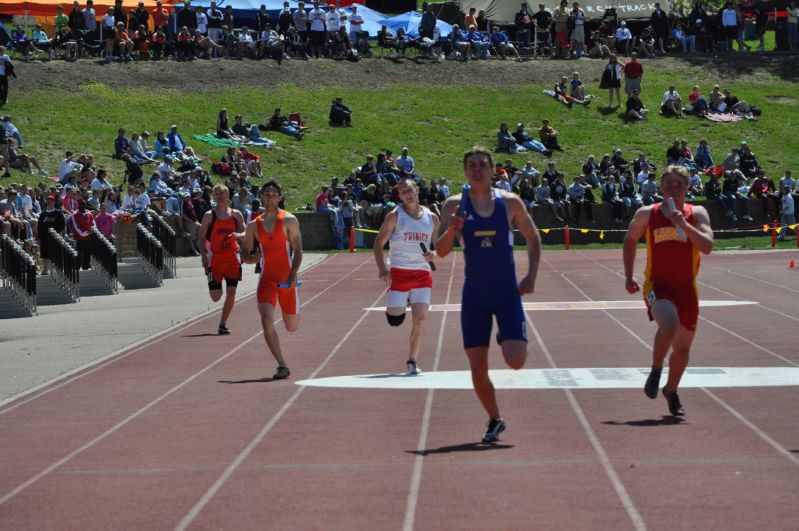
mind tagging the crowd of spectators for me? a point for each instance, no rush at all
(318, 30)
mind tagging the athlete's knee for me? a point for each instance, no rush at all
(516, 362)
(418, 321)
(216, 295)
(395, 320)
(291, 324)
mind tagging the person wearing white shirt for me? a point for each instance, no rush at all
(202, 21)
(166, 171)
(4, 58)
(100, 182)
(624, 39)
(672, 103)
(245, 39)
(317, 18)
(68, 168)
(333, 20)
(788, 214)
(643, 175)
(356, 23)
(300, 18)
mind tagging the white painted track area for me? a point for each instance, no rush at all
(600, 378)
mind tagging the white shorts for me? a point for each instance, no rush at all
(400, 299)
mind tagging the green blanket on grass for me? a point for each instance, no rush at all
(214, 140)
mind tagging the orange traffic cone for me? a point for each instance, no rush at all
(791, 265)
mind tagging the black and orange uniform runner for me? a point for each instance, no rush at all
(223, 252)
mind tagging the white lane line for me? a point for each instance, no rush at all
(618, 486)
(416, 475)
(573, 378)
(628, 304)
(780, 286)
(763, 435)
(746, 422)
(115, 356)
(705, 284)
(220, 482)
(139, 412)
(750, 342)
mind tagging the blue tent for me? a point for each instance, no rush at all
(410, 23)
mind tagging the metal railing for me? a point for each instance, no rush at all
(151, 253)
(104, 259)
(166, 235)
(66, 272)
(18, 271)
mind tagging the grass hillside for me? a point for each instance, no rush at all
(437, 110)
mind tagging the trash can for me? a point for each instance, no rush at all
(781, 36)
(750, 32)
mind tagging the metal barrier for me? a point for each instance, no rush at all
(166, 235)
(104, 259)
(66, 272)
(151, 253)
(18, 271)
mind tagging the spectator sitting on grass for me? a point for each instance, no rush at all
(68, 170)
(121, 143)
(697, 104)
(22, 161)
(548, 136)
(521, 137)
(702, 157)
(628, 191)
(506, 143)
(223, 129)
(672, 103)
(340, 114)
(635, 107)
(100, 182)
(177, 147)
(278, 122)
(205, 46)
(406, 165)
(136, 152)
(563, 93)
(252, 161)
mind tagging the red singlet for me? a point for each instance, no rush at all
(671, 266)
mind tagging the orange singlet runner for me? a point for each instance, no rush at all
(671, 266)
(223, 253)
(276, 267)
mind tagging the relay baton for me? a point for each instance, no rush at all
(464, 193)
(286, 284)
(424, 250)
(680, 232)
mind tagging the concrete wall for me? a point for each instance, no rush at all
(316, 232)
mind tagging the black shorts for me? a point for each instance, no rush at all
(231, 272)
(317, 38)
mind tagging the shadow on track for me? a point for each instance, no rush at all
(466, 447)
(666, 420)
(259, 380)
(200, 335)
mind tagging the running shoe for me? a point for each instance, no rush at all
(223, 330)
(413, 368)
(675, 408)
(495, 427)
(282, 373)
(652, 383)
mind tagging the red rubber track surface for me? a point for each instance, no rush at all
(190, 433)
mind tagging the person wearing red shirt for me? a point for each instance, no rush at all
(676, 232)
(763, 188)
(633, 73)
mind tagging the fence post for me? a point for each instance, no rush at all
(773, 234)
(566, 237)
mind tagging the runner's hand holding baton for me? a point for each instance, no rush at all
(425, 252)
(672, 208)
(456, 222)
